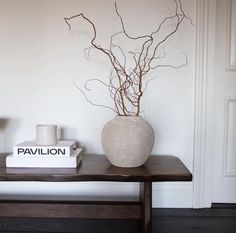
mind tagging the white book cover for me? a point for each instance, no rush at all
(30, 148)
(45, 161)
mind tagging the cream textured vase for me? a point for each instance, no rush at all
(127, 141)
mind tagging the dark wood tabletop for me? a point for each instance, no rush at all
(98, 168)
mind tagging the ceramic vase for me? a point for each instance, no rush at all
(127, 141)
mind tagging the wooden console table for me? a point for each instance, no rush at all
(94, 168)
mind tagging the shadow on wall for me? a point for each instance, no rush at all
(7, 128)
(3, 123)
(65, 133)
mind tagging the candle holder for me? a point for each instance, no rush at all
(46, 134)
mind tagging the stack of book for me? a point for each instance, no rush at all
(29, 154)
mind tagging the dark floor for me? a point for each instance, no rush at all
(219, 219)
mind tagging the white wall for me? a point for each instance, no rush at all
(40, 58)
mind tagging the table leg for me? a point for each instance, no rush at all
(146, 206)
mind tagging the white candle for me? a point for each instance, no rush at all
(46, 134)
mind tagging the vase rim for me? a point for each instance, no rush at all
(119, 116)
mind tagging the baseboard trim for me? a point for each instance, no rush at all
(223, 205)
(227, 211)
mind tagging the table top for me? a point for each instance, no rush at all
(98, 168)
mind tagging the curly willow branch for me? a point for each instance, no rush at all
(125, 84)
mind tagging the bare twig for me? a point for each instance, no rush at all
(92, 103)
